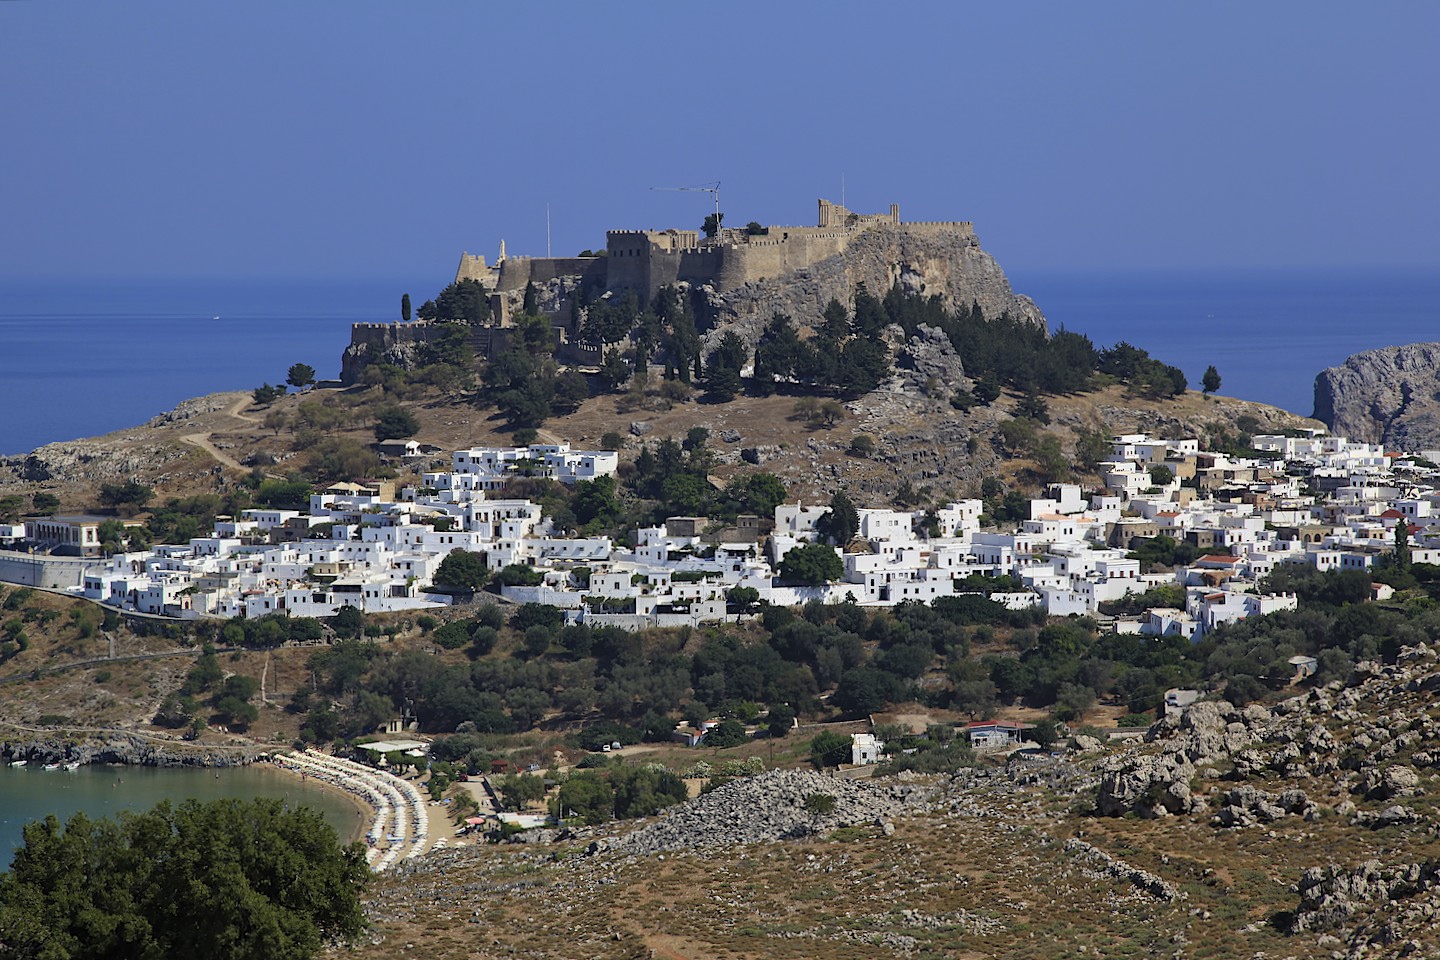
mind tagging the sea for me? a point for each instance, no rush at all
(31, 793)
(1267, 333)
(82, 357)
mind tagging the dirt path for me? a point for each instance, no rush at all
(241, 403)
(202, 440)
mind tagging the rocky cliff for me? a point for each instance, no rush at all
(925, 259)
(950, 264)
(1390, 395)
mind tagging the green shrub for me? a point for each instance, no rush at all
(819, 803)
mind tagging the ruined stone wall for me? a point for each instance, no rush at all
(516, 272)
(833, 215)
(785, 250)
(474, 267)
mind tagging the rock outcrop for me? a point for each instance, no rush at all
(927, 365)
(777, 805)
(127, 749)
(1158, 784)
(1389, 396)
(949, 264)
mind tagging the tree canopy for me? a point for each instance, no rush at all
(463, 570)
(225, 880)
(841, 522)
(300, 375)
(811, 564)
(395, 423)
(465, 300)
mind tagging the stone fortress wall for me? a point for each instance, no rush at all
(746, 277)
(646, 260)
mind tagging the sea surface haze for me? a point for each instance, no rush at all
(85, 357)
(1268, 334)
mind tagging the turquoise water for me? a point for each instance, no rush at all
(30, 793)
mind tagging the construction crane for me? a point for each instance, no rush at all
(712, 188)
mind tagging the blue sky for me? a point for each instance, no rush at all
(364, 139)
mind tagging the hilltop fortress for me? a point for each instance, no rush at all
(646, 260)
(736, 279)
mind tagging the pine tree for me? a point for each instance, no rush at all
(841, 522)
(1211, 380)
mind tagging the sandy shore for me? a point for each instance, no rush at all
(436, 830)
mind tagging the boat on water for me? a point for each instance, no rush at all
(18, 763)
(72, 766)
(52, 766)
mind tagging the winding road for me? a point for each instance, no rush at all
(202, 440)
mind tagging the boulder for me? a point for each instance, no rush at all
(1148, 785)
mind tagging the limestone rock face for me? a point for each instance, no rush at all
(93, 461)
(1150, 786)
(1389, 396)
(927, 364)
(949, 264)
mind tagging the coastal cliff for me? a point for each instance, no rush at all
(1390, 395)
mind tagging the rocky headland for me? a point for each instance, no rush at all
(119, 747)
(1390, 395)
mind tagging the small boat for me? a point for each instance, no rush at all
(18, 763)
(52, 766)
(72, 766)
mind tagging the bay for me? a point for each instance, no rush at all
(81, 358)
(31, 793)
(1267, 333)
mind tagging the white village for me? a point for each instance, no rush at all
(1324, 501)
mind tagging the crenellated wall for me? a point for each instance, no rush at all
(516, 272)
(747, 277)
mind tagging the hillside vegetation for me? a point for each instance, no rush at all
(1306, 831)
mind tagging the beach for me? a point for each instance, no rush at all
(396, 820)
